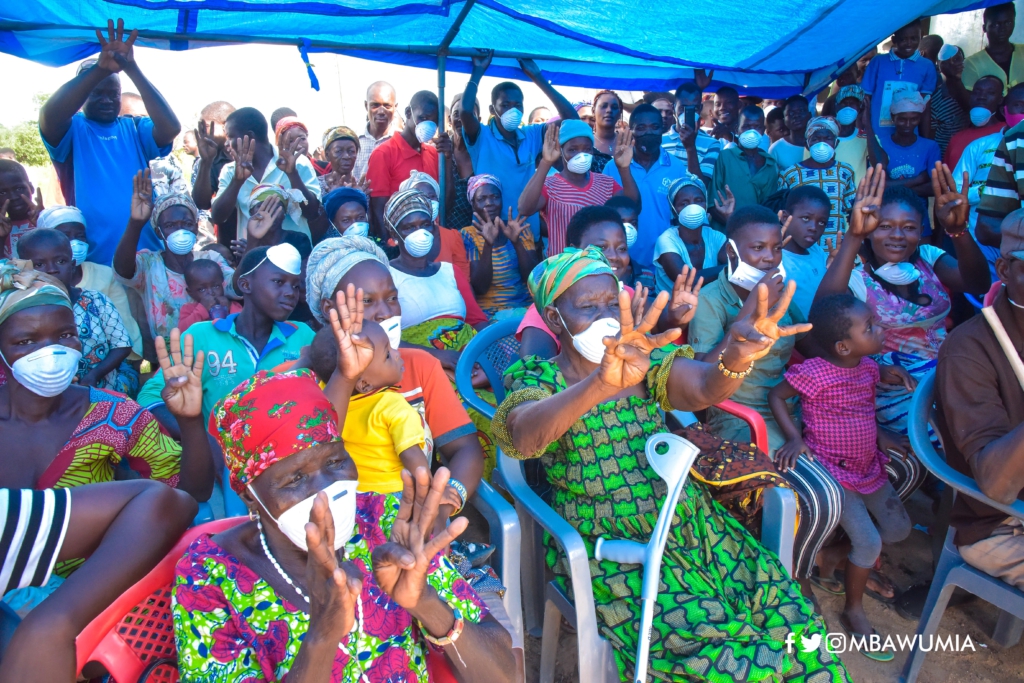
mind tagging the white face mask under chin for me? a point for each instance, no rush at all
(590, 342)
(341, 496)
(902, 273)
(745, 275)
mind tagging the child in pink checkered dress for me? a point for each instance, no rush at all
(837, 399)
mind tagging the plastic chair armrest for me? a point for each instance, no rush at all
(778, 524)
(471, 355)
(507, 537)
(758, 429)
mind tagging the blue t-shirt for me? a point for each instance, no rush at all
(907, 162)
(96, 163)
(513, 166)
(887, 74)
(655, 215)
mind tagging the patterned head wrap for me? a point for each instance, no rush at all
(581, 104)
(22, 287)
(59, 215)
(340, 196)
(339, 133)
(286, 124)
(854, 91)
(291, 200)
(269, 417)
(478, 181)
(907, 101)
(822, 123)
(173, 199)
(417, 177)
(404, 203)
(330, 260)
(554, 275)
(688, 180)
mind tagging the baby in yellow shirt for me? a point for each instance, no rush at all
(382, 432)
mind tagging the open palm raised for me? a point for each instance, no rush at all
(752, 336)
(183, 372)
(628, 358)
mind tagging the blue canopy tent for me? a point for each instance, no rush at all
(767, 49)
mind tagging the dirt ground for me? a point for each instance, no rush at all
(906, 563)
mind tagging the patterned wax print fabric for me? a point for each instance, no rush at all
(837, 181)
(508, 290)
(726, 605)
(101, 330)
(230, 625)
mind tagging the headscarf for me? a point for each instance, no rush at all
(478, 181)
(679, 183)
(170, 188)
(23, 287)
(822, 123)
(404, 203)
(269, 417)
(907, 101)
(574, 128)
(854, 91)
(291, 200)
(339, 133)
(339, 196)
(165, 202)
(581, 104)
(59, 215)
(286, 124)
(417, 177)
(554, 275)
(330, 261)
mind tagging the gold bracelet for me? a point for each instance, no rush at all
(729, 373)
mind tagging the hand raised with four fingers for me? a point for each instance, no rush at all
(628, 358)
(355, 350)
(183, 373)
(752, 336)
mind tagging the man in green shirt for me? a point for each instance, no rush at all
(751, 173)
(259, 338)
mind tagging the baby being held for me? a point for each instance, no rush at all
(204, 282)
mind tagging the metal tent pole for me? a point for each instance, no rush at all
(442, 57)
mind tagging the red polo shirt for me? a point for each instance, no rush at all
(392, 162)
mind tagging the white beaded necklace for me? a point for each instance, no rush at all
(357, 627)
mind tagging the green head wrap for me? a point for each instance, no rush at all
(554, 275)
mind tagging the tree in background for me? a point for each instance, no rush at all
(24, 139)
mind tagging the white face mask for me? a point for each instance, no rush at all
(419, 242)
(425, 131)
(434, 207)
(579, 163)
(822, 152)
(693, 216)
(590, 342)
(511, 119)
(980, 116)
(745, 275)
(847, 115)
(358, 229)
(79, 251)
(749, 139)
(341, 495)
(630, 234)
(902, 273)
(393, 328)
(180, 242)
(48, 371)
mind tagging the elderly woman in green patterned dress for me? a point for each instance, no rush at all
(726, 605)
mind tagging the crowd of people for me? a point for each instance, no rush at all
(287, 316)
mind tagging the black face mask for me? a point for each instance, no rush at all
(649, 143)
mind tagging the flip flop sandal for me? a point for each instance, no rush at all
(883, 656)
(874, 595)
(823, 583)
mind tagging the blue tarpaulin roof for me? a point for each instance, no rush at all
(772, 49)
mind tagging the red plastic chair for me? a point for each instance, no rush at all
(758, 429)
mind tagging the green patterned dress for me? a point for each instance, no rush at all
(726, 605)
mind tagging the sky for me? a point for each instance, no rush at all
(261, 76)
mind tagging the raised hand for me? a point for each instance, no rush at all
(482, 59)
(205, 143)
(786, 219)
(289, 156)
(487, 228)
(685, 295)
(34, 207)
(752, 336)
(400, 566)
(639, 301)
(183, 387)
(552, 151)
(5, 221)
(142, 197)
(832, 245)
(513, 228)
(726, 203)
(270, 211)
(333, 589)
(951, 205)
(116, 53)
(623, 151)
(865, 215)
(238, 248)
(703, 78)
(355, 351)
(241, 151)
(531, 69)
(627, 359)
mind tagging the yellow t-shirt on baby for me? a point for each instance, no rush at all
(377, 428)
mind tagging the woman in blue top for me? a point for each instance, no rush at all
(692, 242)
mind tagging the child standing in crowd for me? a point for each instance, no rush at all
(105, 341)
(837, 397)
(900, 70)
(911, 156)
(791, 148)
(835, 178)
(17, 211)
(204, 282)
(691, 241)
(802, 257)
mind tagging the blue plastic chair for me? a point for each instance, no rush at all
(952, 570)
